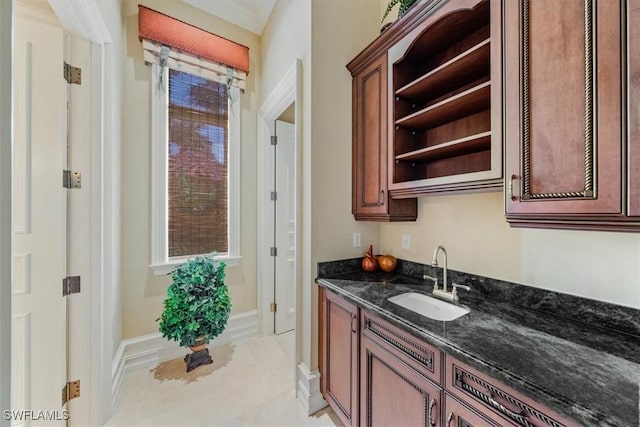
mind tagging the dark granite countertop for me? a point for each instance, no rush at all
(588, 371)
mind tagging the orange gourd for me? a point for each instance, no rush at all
(369, 262)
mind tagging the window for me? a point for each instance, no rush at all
(196, 138)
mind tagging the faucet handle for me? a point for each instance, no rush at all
(454, 291)
(435, 280)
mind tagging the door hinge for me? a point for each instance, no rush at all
(70, 285)
(73, 75)
(274, 140)
(274, 196)
(70, 391)
(274, 251)
(71, 179)
(273, 307)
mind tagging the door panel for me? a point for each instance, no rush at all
(39, 230)
(285, 223)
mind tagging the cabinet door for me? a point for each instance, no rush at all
(563, 118)
(370, 196)
(458, 414)
(340, 357)
(393, 393)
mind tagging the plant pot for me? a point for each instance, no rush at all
(200, 355)
(198, 347)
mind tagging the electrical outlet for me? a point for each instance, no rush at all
(406, 241)
(356, 240)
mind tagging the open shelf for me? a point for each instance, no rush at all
(470, 101)
(465, 67)
(478, 142)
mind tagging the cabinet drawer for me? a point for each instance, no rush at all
(493, 398)
(411, 350)
(457, 414)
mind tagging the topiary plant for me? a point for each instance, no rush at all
(404, 6)
(197, 306)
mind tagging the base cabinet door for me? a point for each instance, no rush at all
(393, 393)
(458, 414)
(339, 340)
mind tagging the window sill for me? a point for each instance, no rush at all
(165, 268)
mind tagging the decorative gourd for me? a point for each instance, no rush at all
(387, 263)
(369, 262)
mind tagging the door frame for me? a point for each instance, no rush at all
(288, 91)
(6, 136)
(84, 20)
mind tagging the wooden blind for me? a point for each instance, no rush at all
(198, 159)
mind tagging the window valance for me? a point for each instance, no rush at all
(170, 42)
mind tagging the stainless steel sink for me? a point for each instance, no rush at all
(429, 307)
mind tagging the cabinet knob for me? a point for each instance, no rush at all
(353, 327)
(382, 197)
(511, 178)
(449, 419)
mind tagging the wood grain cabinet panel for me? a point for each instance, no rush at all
(497, 401)
(393, 393)
(564, 119)
(339, 367)
(458, 414)
(371, 199)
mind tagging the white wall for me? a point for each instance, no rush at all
(598, 265)
(111, 13)
(6, 25)
(340, 30)
(142, 292)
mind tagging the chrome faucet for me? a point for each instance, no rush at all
(434, 263)
(453, 295)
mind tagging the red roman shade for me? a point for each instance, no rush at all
(163, 29)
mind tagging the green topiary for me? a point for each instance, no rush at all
(404, 6)
(197, 306)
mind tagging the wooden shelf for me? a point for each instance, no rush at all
(471, 101)
(457, 147)
(448, 76)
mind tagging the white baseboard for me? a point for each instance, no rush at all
(148, 350)
(308, 389)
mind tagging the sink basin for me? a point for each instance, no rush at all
(429, 307)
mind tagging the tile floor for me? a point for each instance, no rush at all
(250, 383)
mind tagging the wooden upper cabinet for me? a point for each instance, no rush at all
(633, 105)
(446, 96)
(566, 140)
(370, 194)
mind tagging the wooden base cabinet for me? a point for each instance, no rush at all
(393, 393)
(375, 374)
(494, 400)
(457, 414)
(339, 356)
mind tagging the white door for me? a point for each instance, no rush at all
(285, 228)
(39, 246)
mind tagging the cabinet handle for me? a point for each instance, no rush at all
(432, 405)
(511, 196)
(353, 328)
(382, 197)
(449, 419)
